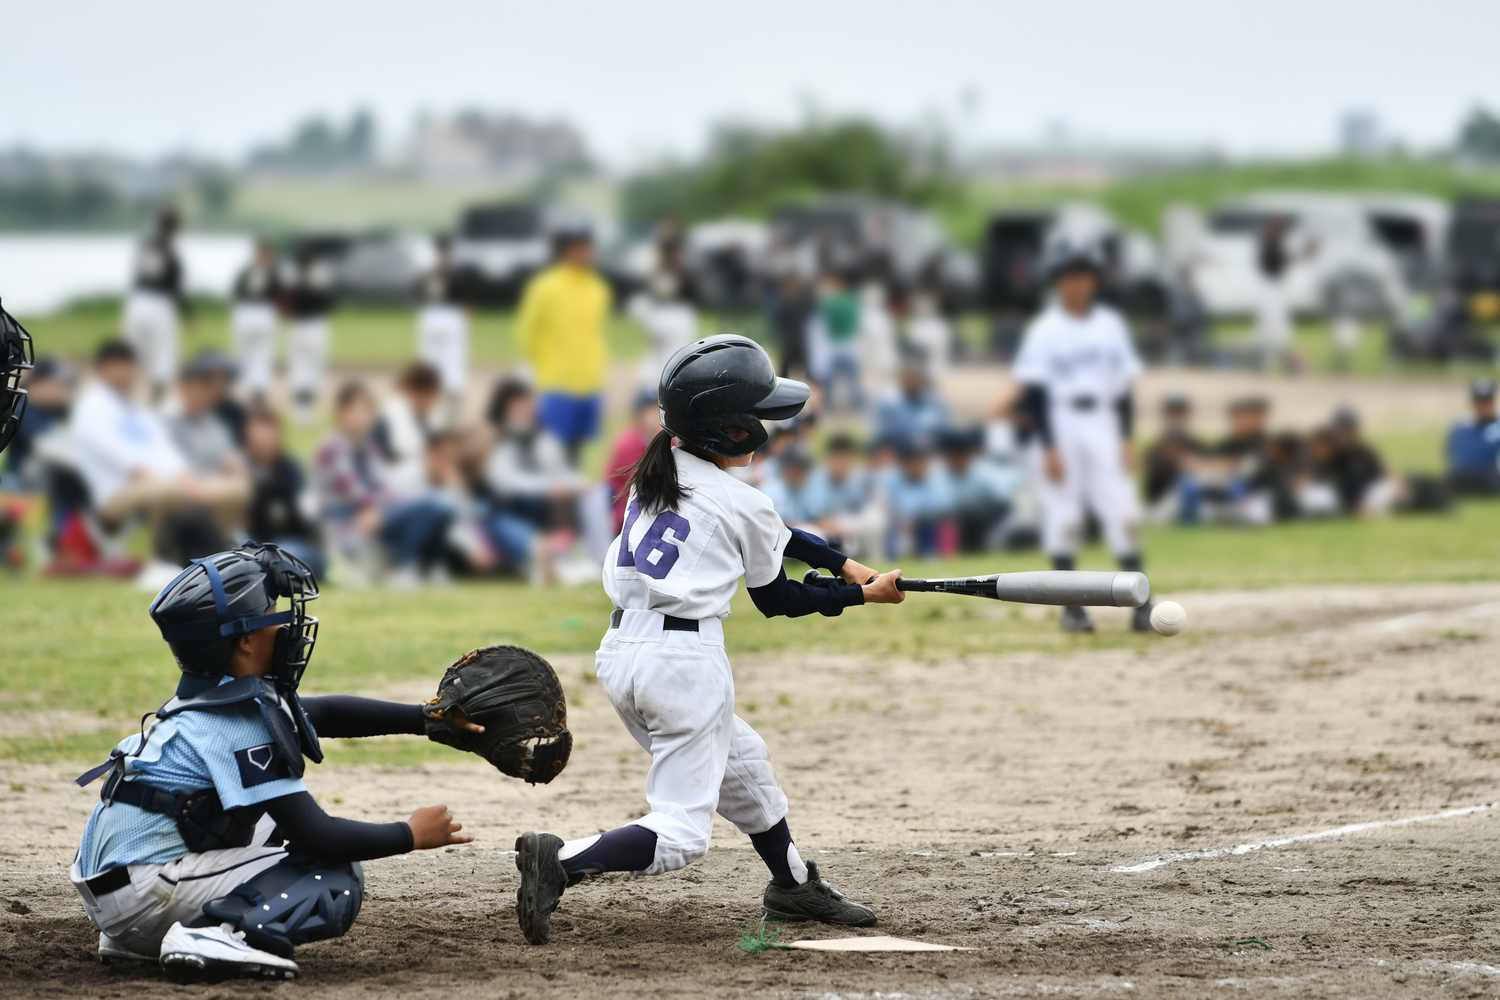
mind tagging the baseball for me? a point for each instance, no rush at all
(1168, 618)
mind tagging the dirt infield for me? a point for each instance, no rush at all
(987, 803)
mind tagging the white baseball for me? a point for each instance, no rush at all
(1168, 618)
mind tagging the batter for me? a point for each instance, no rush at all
(691, 531)
(1077, 368)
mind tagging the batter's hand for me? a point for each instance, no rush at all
(434, 826)
(1052, 464)
(854, 571)
(882, 589)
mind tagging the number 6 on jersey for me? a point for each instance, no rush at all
(657, 553)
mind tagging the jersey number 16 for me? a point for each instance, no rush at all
(657, 553)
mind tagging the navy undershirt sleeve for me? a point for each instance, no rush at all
(806, 547)
(785, 597)
(304, 825)
(1034, 404)
(343, 716)
(1125, 411)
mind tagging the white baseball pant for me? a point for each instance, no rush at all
(253, 325)
(675, 693)
(137, 916)
(443, 342)
(1094, 479)
(150, 326)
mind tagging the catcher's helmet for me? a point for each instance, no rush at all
(221, 597)
(720, 383)
(15, 358)
(1068, 255)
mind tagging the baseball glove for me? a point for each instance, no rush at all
(515, 695)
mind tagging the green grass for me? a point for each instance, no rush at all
(364, 337)
(88, 647)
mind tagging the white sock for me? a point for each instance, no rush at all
(796, 864)
(573, 847)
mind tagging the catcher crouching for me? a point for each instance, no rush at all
(206, 852)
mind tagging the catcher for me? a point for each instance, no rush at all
(206, 852)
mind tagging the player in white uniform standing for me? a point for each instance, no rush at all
(1077, 367)
(157, 302)
(254, 319)
(443, 325)
(691, 531)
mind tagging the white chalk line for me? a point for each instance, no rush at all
(1172, 857)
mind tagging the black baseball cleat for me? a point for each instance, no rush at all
(815, 900)
(542, 883)
(1076, 621)
(1140, 619)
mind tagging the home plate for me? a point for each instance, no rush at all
(878, 943)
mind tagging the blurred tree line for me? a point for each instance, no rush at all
(318, 143)
(748, 170)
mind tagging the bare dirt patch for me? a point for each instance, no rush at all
(983, 802)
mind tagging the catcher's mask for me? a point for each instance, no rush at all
(221, 597)
(15, 357)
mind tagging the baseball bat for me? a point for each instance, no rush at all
(1058, 587)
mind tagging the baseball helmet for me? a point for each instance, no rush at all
(724, 383)
(15, 358)
(221, 597)
(1066, 255)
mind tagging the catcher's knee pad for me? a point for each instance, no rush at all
(292, 903)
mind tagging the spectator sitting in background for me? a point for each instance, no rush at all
(280, 506)
(1472, 451)
(527, 470)
(50, 398)
(1169, 459)
(918, 499)
(1355, 471)
(856, 516)
(628, 448)
(219, 372)
(980, 499)
(407, 418)
(796, 493)
(201, 435)
(915, 408)
(132, 467)
(367, 517)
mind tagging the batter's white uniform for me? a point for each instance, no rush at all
(674, 689)
(1086, 364)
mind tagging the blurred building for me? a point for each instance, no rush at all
(499, 147)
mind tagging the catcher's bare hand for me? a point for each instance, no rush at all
(882, 590)
(434, 826)
(455, 715)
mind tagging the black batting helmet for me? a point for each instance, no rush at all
(15, 358)
(723, 383)
(221, 597)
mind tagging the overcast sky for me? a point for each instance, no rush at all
(148, 77)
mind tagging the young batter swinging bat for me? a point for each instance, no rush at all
(1082, 588)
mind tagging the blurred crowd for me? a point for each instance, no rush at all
(412, 482)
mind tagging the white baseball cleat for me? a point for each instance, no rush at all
(112, 951)
(219, 953)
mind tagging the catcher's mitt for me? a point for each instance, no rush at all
(515, 695)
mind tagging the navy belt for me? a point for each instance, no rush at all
(1083, 404)
(669, 623)
(103, 885)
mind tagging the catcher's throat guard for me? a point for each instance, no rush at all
(516, 696)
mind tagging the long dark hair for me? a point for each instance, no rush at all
(654, 478)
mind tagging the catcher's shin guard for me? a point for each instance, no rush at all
(292, 903)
